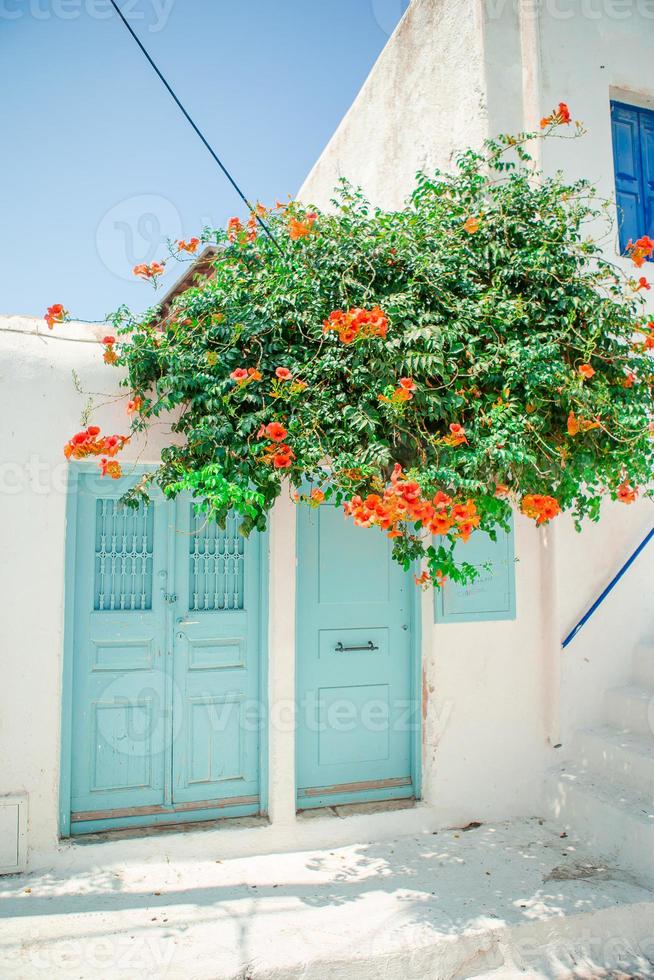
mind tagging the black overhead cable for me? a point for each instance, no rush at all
(213, 153)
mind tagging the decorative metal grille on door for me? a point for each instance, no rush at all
(216, 563)
(123, 556)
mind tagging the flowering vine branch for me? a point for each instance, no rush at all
(423, 368)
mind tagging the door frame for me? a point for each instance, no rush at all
(415, 608)
(75, 470)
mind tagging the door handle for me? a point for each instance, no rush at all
(187, 622)
(339, 648)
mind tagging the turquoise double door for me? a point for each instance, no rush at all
(166, 711)
(358, 717)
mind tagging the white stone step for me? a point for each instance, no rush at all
(644, 664)
(624, 757)
(614, 821)
(631, 708)
(502, 897)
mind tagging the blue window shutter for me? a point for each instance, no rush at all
(489, 597)
(646, 120)
(627, 158)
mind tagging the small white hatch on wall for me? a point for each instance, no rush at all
(13, 833)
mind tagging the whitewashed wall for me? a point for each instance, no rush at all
(40, 409)
(423, 98)
(501, 695)
(586, 54)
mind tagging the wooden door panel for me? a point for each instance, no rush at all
(354, 663)
(120, 664)
(217, 654)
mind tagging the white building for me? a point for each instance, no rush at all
(500, 703)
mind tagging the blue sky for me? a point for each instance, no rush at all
(99, 166)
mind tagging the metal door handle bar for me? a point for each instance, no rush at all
(339, 648)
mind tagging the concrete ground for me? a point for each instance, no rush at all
(502, 901)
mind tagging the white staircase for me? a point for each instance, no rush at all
(605, 794)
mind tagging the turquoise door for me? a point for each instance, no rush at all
(166, 668)
(357, 712)
(120, 657)
(216, 677)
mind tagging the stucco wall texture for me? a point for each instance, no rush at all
(423, 99)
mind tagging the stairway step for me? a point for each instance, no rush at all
(631, 708)
(613, 820)
(623, 757)
(644, 664)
